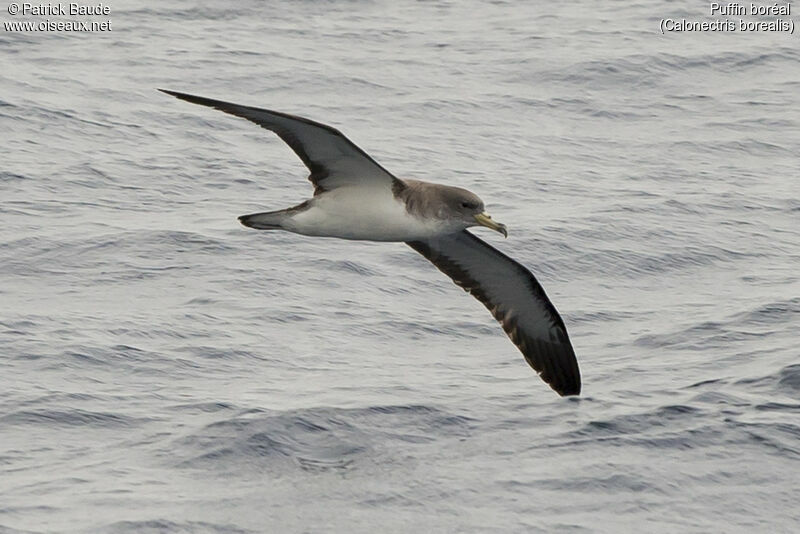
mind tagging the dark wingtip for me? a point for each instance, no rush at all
(567, 380)
(184, 96)
(570, 390)
(203, 101)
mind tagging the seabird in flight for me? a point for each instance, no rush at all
(356, 198)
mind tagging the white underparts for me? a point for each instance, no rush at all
(364, 213)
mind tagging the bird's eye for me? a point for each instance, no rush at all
(469, 205)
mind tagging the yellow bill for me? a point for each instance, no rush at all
(484, 219)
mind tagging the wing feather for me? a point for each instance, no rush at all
(331, 157)
(515, 298)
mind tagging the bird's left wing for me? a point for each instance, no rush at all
(331, 157)
(516, 300)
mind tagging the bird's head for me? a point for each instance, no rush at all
(468, 208)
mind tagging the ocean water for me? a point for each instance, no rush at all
(164, 369)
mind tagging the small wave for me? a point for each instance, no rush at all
(685, 427)
(738, 147)
(616, 483)
(344, 266)
(637, 423)
(314, 439)
(786, 380)
(217, 353)
(6, 176)
(164, 525)
(119, 256)
(601, 316)
(631, 263)
(781, 311)
(778, 407)
(761, 322)
(75, 417)
(204, 407)
(700, 337)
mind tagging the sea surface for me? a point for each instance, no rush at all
(164, 369)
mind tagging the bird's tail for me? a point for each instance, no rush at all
(273, 220)
(268, 220)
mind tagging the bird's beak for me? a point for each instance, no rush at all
(484, 219)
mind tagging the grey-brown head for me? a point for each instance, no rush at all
(455, 207)
(468, 208)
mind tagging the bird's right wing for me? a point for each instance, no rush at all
(331, 157)
(515, 298)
